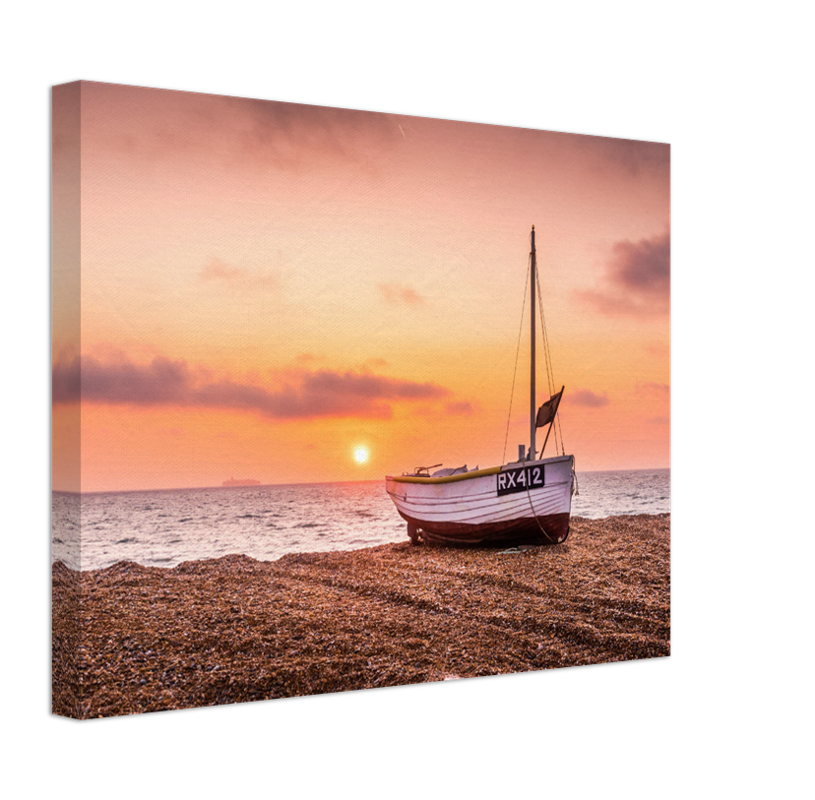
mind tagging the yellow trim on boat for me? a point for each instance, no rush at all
(461, 476)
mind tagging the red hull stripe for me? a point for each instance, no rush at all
(518, 531)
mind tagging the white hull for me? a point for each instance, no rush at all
(528, 501)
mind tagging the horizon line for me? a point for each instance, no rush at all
(297, 483)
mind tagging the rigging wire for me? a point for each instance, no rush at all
(549, 372)
(517, 353)
(550, 380)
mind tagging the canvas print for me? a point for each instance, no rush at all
(348, 400)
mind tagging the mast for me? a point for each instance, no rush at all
(532, 409)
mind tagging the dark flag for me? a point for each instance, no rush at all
(546, 413)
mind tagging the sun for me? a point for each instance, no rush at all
(361, 455)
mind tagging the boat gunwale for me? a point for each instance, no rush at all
(476, 473)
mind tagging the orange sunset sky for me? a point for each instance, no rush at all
(256, 289)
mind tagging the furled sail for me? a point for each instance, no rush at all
(546, 413)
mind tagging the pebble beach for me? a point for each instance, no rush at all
(129, 639)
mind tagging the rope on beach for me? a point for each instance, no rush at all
(535, 515)
(575, 491)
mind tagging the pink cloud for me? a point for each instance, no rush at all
(652, 388)
(460, 407)
(398, 293)
(217, 270)
(637, 279)
(321, 393)
(588, 398)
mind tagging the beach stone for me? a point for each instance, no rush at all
(130, 639)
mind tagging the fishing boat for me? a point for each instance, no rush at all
(527, 501)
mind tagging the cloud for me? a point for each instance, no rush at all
(293, 135)
(658, 350)
(230, 131)
(588, 398)
(321, 393)
(460, 407)
(160, 382)
(652, 388)
(637, 280)
(66, 384)
(217, 270)
(398, 293)
(634, 157)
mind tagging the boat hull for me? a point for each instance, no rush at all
(524, 503)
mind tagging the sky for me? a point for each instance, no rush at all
(252, 289)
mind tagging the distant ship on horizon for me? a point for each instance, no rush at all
(241, 482)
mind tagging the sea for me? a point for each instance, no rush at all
(167, 527)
